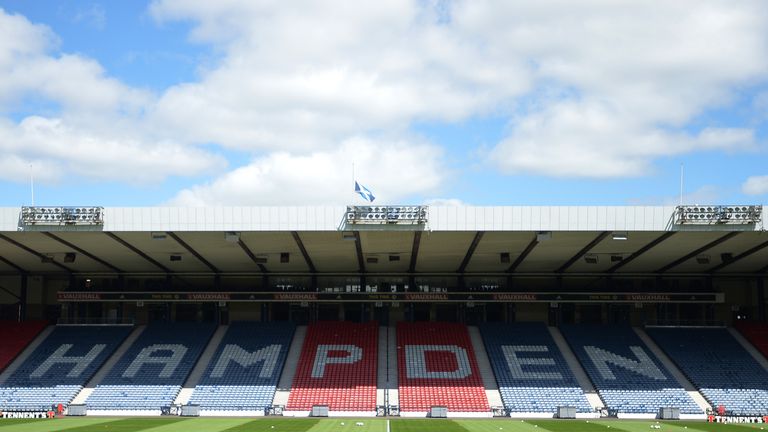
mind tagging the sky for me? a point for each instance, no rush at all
(465, 102)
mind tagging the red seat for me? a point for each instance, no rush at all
(15, 337)
(344, 384)
(456, 386)
(756, 333)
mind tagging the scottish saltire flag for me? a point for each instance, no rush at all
(364, 192)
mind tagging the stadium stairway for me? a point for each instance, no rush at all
(24, 355)
(197, 372)
(751, 348)
(104, 370)
(484, 366)
(673, 370)
(393, 395)
(289, 369)
(381, 367)
(578, 372)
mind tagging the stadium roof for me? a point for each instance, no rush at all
(320, 240)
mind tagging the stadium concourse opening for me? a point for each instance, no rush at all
(410, 311)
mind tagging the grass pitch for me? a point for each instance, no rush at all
(179, 424)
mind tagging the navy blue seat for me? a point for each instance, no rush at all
(60, 366)
(723, 371)
(625, 373)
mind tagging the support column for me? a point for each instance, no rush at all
(761, 299)
(23, 297)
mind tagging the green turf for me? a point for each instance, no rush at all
(420, 425)
(286, 425)
(278, 424)
(129, 425)
(11, 422)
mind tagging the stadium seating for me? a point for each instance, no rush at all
(243, 373)
(150, 374)
(437, 367)
(625, 373)
(57, 369)
(725, 373)
(532, 374)
(337, 368)
(15, 337)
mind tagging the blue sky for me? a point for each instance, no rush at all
(543, 102)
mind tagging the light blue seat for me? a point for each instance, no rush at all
(243, 373)
(132, 385)
(531, 373)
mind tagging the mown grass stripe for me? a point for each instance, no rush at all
(127, 425)
(426, 425)
(56, 424)
(275, 425)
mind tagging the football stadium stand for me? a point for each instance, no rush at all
(243, 373)
(60, 366)
(16, 336)
(437, 367)
(152, 371)
(337, 368)
(724, 372)
(532, 375)
(625, 373)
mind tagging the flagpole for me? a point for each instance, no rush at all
(681, 182)
(32, 183)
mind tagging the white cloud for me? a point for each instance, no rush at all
(79, 84)
(755, 185)
(56, 148)
(589, 139)
(392, 170)
(635, 74)
(315, 73)
(98, 133)
(592, 89)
